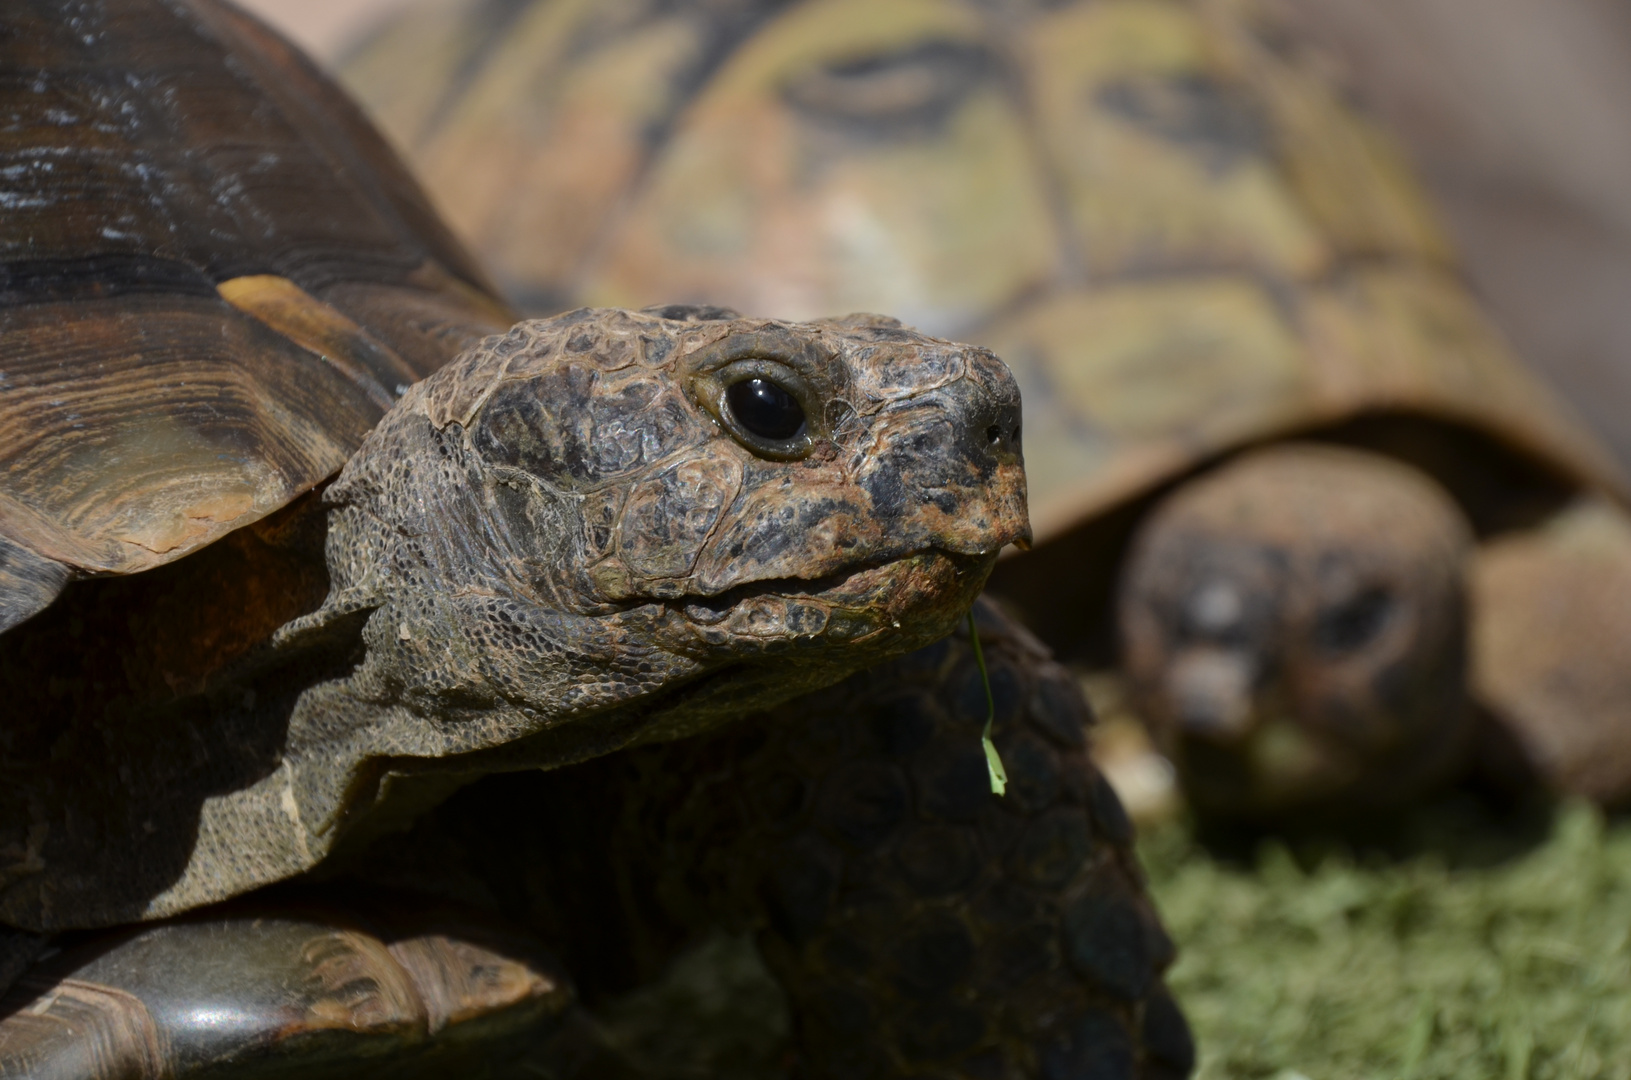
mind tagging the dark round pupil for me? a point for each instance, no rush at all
(1354, 623)
(765, 409)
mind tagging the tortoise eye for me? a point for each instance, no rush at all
(1353, 623)
(765, 409)
(763, 402)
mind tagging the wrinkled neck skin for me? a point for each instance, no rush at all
(557, 547)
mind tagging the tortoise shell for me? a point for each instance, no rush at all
(215, 277)
(1159, 212)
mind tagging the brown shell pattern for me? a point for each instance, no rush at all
(214, 278)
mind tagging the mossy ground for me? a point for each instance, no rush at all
(1477, 948)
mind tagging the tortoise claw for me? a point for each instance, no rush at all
(292, 989)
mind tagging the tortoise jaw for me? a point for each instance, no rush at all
(918, 596)
(775, 640)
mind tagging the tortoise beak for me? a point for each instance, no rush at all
(1211, 694)
(965, 483)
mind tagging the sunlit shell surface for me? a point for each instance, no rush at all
(1158, 212)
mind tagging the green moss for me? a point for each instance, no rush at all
(1465, 959)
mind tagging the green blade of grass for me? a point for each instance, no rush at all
(993, 760)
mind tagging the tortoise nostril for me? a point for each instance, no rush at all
(993, 434)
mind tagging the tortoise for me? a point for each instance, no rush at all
(303, 534)
(1202, 263)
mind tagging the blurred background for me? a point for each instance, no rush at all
(1517, 114)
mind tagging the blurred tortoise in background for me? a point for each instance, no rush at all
(269, 599)
(1187, 246)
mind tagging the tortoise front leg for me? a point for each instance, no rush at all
(920, 924)
(370, 986)
(1551, 628)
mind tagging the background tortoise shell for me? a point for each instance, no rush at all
(1158, 212)
(214, 279)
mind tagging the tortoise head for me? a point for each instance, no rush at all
(680, 511)
(1293, 626)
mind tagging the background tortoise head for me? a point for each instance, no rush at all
(685, 492)
(1294, 631)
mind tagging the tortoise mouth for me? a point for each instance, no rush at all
(857, 601)
(779, 639)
